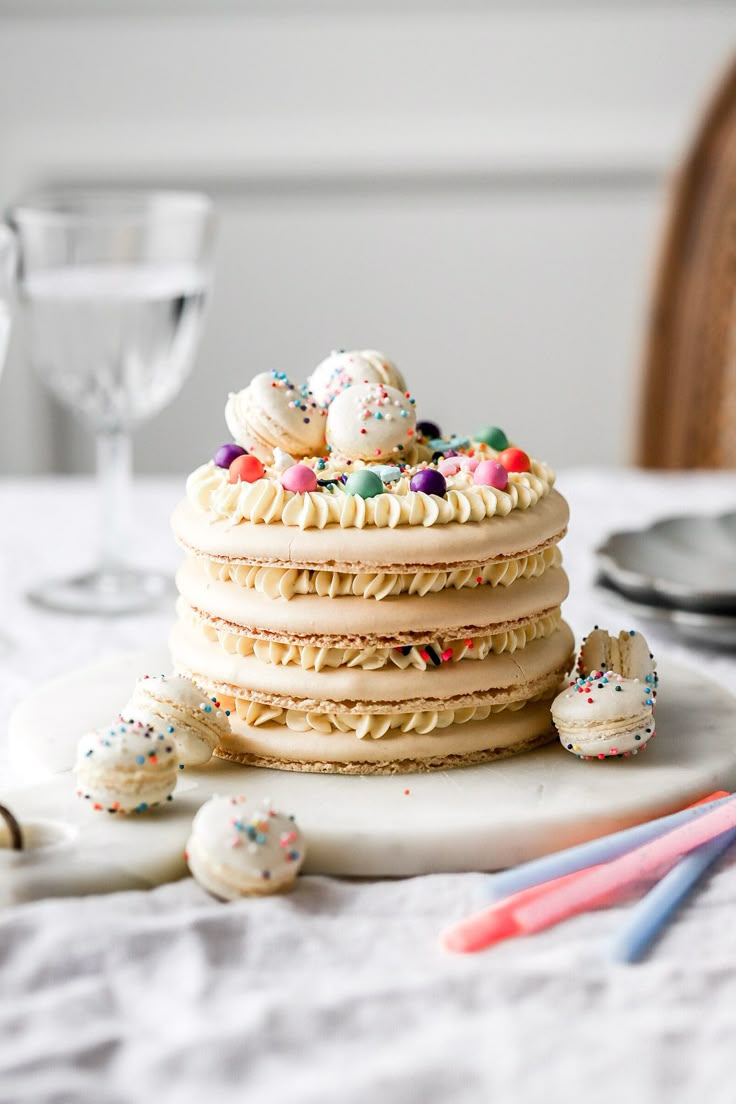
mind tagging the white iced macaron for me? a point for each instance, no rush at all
(339, 371)
(239, 848)
(126, 767)
(371, 421)
(388, 371)
(627, 654)
(273, 413)
(194, 721)
(604, 715)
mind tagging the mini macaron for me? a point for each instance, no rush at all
(604, 715)
(177, 706)
(388, 372)
(339, 371)
(272, 412)
(126, 767)
(627, 654)
(239, 848)
(370, 421)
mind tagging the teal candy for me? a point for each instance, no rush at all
(493, 436)
(364, 484)
(387, 473)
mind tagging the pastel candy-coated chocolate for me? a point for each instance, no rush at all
(430, 430)
(514, 460)
(246, 469)
(489, 473)
(227, 453)
(299, 479)
(388, 473)
(364, 484)
(493, 436)
(449, 465)
(429, 481)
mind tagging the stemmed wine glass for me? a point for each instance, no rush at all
(113, 285)
(7, 281)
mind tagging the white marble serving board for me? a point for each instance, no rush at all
(478, 818)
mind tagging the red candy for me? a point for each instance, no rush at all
(514, 460)
(246, 469)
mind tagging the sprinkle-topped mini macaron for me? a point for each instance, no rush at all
(272, 412)
(239, 848)
(339, 371)
(388, 371)
(371, 422)
(609, 709)
(604, 715)
(627, 654)
(177, 706)
(126, 767)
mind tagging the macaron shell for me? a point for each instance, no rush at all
(386, 370)
(268, 414)
(371, 422)
(339, 371)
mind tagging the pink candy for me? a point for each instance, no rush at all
(451, 465)
(299, 478)
(490, 473)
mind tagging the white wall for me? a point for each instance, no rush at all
(473, 187)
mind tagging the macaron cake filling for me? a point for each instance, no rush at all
(372, 603)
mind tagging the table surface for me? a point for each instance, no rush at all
(339, 991)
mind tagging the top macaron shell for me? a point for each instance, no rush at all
(339, 371)
(628, 654)
(240, 846)
(127, 746)
(272, 412)
(371, 422)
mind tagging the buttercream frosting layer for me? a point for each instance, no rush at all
(497, 679)
(447, 547)
(267, 502)
(352, 621)
(278, 744)
(285, 582)
(369, 657)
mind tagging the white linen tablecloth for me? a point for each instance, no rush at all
(339, 992)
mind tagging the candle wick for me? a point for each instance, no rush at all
(16, 836)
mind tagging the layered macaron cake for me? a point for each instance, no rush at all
(364, 595)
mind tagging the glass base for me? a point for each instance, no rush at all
(105, 594)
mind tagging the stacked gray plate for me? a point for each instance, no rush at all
(679, 572)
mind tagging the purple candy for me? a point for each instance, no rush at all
(430, 430)
(429, 481)
(227, 453)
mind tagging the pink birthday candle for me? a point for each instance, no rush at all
(599, 884)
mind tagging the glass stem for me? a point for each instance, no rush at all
(114, 470)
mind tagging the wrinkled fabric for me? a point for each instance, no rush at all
(339, 991)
